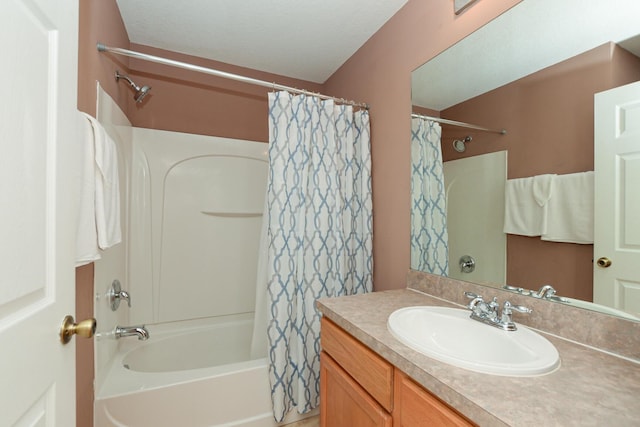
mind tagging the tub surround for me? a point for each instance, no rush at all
(590, 388)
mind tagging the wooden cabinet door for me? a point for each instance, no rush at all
(372, 372)
(416, 407)
(343, 402)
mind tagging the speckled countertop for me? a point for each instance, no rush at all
(591, 388)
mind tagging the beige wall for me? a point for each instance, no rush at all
(187, 101)
(549, 119)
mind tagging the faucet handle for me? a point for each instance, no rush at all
(506, 322)
(545, 291)
(125, 296)
(522, 309)
(471, 295)
(477, 305)
(116, 294)
(507, 308)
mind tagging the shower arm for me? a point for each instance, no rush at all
(122, 76)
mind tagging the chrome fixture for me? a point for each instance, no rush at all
(115, 294)
(517, 289)
(467, 264)
(459, 144)
(140, 93)
(546, 292)
(131, 331)
(489, 312)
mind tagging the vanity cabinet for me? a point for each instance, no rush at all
(344, 402)
(356, 385)
(360, 388)
(414, 406)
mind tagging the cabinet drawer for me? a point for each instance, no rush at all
(372, 372)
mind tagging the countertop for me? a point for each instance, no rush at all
(591, 387)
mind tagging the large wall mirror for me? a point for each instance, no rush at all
(533, 71)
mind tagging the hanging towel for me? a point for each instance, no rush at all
(525, 204)
(107, 188)
(542, 188)
(569, 215)
(101, 162)
(86, 236)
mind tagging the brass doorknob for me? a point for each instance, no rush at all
(69, 328)
(603, 262)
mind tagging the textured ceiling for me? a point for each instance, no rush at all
(531, 36)
(307, 39)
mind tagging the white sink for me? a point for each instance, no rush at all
(450, 336)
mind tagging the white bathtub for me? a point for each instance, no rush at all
(182, 376)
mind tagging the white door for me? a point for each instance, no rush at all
(617, 198)
(38, 158)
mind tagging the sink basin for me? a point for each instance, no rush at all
(450, 336)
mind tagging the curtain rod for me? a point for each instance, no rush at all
(460, 124)
(118, 51)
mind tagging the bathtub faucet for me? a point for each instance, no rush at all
(130, 331)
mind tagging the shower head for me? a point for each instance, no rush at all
(140, 93)
(459, 144)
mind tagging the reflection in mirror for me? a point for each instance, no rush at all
(533, 71)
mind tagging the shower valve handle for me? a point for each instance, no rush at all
(116, 294)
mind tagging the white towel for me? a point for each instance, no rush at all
(569, 214)
(542, 188)
(101, 163)
(87, 237)
(525, 204)
(107, 188)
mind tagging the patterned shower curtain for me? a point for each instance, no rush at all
(319, 233)
(429, 237)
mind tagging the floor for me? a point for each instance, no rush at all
(308, 422)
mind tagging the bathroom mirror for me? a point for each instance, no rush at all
(532, 53)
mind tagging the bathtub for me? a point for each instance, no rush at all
(188, 374)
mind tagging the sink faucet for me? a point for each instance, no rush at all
(488, 312)
(130, 331)
(544, 292)
(482, 309)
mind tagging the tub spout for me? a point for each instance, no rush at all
(130, 331)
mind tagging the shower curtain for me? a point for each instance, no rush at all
(318, 232)
(429, 238)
